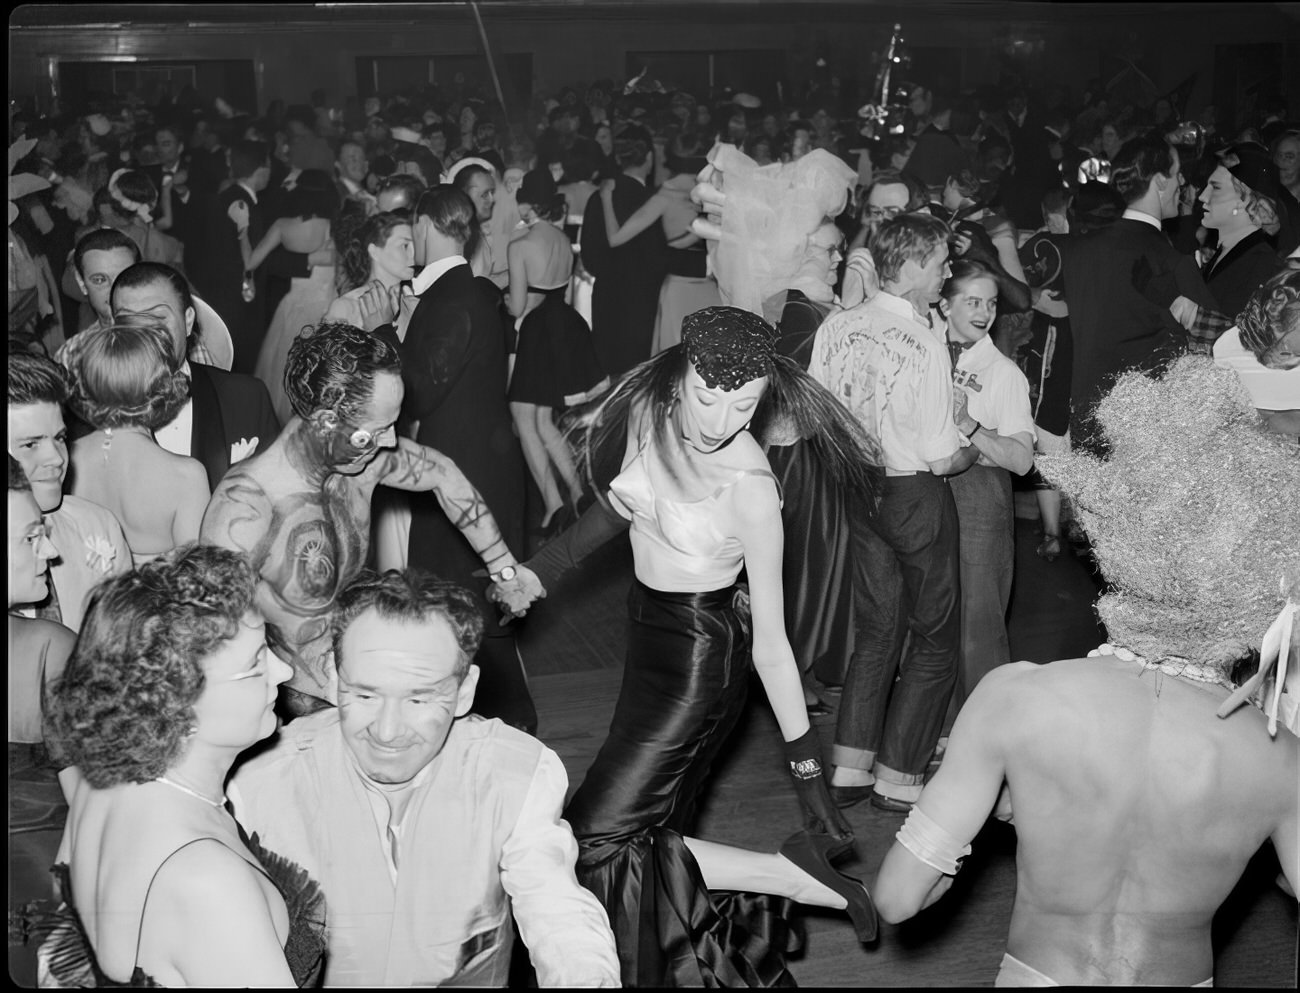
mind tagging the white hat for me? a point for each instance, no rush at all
(214, 335)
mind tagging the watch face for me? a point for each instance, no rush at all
(507, 574)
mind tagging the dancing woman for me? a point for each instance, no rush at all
(703, 504)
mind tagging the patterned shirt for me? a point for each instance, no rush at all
(883, 361)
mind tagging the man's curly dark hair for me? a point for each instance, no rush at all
(411, 596)
(125, 704)
(333, 367)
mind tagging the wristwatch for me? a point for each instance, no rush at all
(506, 574)
(971, 433)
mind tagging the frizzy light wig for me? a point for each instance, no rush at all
(1192, 517)
(125, 704)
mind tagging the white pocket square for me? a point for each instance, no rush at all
(242, 449)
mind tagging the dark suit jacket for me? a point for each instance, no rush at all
(454, 369)
(1240, 271)
(188, 220)
(220, 277)
(229, 410)
(1119, 282)
(626, 294)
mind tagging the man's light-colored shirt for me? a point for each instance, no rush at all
(997, 392)
(883, 361)
(177, 434)
(92, 547)
(481, 840)
(434, 271)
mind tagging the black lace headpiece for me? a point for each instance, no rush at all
(729, 347)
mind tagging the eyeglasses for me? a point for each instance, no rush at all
(884, 213)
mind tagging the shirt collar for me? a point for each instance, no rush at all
(434, 271)
(1133, 214)
(899, 306)
(251, 192)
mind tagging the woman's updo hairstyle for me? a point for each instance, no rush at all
(686, 154)
(128, 375)
(538, 189)
(314, 195)
(132, 195)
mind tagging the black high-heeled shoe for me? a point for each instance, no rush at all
(810, 852)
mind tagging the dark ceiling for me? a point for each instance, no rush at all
(123, 15)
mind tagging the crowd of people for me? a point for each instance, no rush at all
(307, 409)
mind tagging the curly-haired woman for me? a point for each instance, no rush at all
(126, 383)
(170, 681)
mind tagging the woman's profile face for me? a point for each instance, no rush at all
(972, 309)
(711, 416)
(241, 677)
(605, 139)
(1220, 200)
(30, 550)
(397, 256)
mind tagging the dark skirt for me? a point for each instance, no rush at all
(555, 362)
(684, 688)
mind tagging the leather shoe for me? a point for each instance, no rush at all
(809, 852)
(882, 802)
(848, 796)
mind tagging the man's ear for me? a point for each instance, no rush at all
(465, 696)
(323, 421)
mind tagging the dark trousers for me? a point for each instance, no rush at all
(906, 582)
(986, 519)
(502, 686)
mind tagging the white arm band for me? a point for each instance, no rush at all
(931, 843)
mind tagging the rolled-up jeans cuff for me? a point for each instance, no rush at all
(852, 758)
(898, 785)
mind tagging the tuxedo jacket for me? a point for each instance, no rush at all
(454, 368)
(1119, 282)
(233, 419)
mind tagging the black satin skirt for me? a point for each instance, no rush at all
(684, 687)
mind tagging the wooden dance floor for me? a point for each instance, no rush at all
(573, 649)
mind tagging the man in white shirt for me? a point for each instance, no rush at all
(426, 828)
(884, 361)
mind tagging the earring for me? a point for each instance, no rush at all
(1235, 211)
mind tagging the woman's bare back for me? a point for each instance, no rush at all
(157, 496)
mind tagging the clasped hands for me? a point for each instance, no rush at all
(379, 306)
(516, 595)
(960, 415)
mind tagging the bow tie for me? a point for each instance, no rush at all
(955, 348)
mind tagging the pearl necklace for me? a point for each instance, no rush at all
(1171, 665)
(194, 793)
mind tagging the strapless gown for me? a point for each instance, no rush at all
(305, 304)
